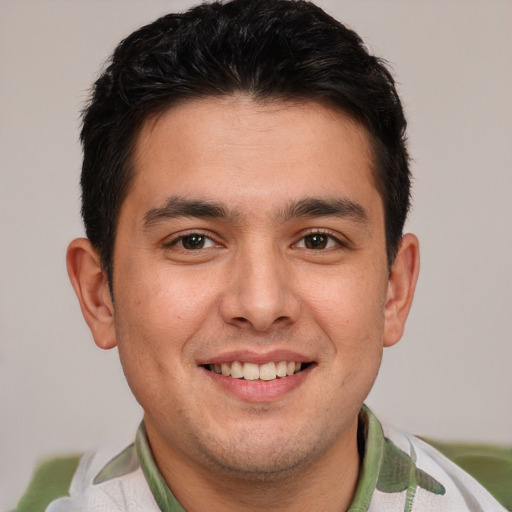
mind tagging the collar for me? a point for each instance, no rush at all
(384, 467)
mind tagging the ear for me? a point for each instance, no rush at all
(401, 286)
(91, 287)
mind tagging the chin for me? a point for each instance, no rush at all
(264, 467)
(264, 456)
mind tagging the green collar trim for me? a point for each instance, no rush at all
(162, 494)
(371, 432)
(387, 468)
(384, 467)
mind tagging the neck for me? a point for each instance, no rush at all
(327, 484)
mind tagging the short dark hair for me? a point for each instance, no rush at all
(267, 49)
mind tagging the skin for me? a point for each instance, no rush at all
(258, 287)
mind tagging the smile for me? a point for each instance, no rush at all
(253, 371)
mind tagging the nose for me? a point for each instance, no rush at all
(259, 293)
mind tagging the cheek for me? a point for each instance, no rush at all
(164, 305)
(156, 315)
(350, 308)
(353, 320)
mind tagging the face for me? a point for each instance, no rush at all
(250, 282)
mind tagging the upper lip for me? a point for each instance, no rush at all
(250, 356)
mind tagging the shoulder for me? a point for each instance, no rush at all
(472, 476)
(490, 465)
(99, 480)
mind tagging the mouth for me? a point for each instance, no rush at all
(252, 372)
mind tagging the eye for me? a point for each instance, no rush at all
(318, 241)
(193, 242)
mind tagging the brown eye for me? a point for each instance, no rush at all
(316, 241)
(193, 242)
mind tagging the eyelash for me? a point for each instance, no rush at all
(179, 239)
(323, 233)
(205, 236)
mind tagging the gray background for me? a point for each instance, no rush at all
(449, 378)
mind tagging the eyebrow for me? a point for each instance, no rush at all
(176, 206)
(316, 207)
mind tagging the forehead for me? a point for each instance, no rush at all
(239, 149)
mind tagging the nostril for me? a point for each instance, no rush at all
(240, 320)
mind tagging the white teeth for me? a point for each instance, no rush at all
(281, 369)
(253, 371)
(226, 370)
(268, 371)
(237, 370)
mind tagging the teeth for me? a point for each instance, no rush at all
(237, 370)
(252, 371)
(281, 369)
(268, 371)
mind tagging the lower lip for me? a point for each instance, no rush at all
(260, 391)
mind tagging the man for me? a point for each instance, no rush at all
(245, 184)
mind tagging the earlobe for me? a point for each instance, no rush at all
(401, 286)
(91, 287)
